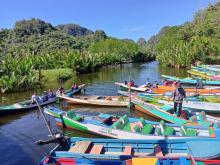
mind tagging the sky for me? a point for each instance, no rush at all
(130, 19)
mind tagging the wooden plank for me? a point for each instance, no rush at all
(158, 151)
(127, 150)
(96, 149)
(80, 147)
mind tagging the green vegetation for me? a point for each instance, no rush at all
(192, 42)
(33, 46)
(53, 75)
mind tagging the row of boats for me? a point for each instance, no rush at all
(192, 138)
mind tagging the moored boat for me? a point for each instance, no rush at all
(192, 103)
(123, 149)
(161, 111)
(125, 87)
(191, 80)
(197, 106)
(27, 105)
(127, 128)
(149, 160)
(109, 101)
(163, 89)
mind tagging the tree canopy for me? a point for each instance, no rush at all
(198, 40)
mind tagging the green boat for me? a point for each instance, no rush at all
(27, 105)
(127, 128)
(162, 111)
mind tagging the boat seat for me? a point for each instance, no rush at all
(96, 149)
(187, 132)
(80, 147)
(202, 117)
(119, 124)
(193, 119)
(72, 115)
(127, 150)
(158, 151)
(127, 125)
(158, 131)
(125, 118)
(166, 130)
(212, 132)
(146, 128)
(142, 121)
(136, 129)
(122, 123)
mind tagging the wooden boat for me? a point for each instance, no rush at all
(127, 128)
(26, 105)
(110, 101)
(123, 149)
(162, 89)
(149, 160)
(192, 81)
(124, 87)
(161, 111)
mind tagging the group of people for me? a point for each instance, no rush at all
(178, 95)
(151, 84)
(50, 94)
(173, 84)
(130, 83)
(45, 97)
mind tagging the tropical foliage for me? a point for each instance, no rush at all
(34, 45)
(181, 46)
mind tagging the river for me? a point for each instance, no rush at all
(18, 132)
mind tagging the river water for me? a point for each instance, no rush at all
(18, 132)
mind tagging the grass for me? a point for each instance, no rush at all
(55, 74)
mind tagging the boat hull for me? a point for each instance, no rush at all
(113, 148)
(19, 107)
(96, 102)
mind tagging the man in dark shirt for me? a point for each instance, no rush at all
(178, 95)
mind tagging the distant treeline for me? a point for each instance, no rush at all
(33, 45)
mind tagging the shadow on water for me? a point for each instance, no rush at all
(18, 132)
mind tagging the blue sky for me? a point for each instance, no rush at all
(118, 18)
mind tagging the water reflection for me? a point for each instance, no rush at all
(19, 131)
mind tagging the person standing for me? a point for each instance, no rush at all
(33, 98)
(199, 84)
(178, 96)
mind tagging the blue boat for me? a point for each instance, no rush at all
(123, 149)
(191, 81)
(135, 161)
